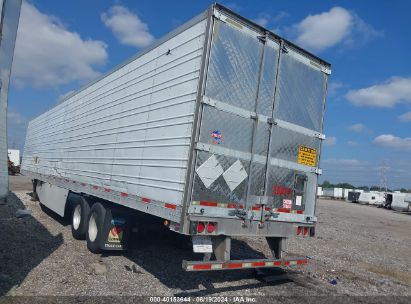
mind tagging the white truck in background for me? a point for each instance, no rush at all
(215, 130)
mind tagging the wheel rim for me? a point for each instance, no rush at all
(76, 217)
(92, 228)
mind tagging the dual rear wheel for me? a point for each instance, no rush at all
(87, 223)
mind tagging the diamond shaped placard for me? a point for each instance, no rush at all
(209, 171)
(235, 175)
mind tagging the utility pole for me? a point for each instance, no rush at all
(10, 15)
(383, 176)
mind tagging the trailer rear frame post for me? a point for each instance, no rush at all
(221, 247)
(277, 246)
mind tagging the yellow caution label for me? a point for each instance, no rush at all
(307, 156)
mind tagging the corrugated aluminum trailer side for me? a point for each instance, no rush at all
(126, 137)
(217, 128)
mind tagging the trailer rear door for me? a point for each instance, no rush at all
(260, 124)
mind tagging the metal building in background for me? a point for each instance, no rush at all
(10, 14)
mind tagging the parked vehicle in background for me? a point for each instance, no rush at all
(14, 156)
(354, 195)
(407, 199)
(370, 198)
(397, 201)
(336, 193)
(215, 131)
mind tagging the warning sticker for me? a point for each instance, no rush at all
(307, 156)
(115, 235)
(287, 203)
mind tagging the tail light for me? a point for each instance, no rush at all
(298, 230)
(305, 230)
(211, 227)
(200, 227)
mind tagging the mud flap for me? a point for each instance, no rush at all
(116, 230)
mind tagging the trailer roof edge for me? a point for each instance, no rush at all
(263, 29)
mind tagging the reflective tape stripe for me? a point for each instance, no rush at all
(123, 194)
(202, 266)
(216, 204)
(170, 206)
(145, 200)
(107, 190)
(246, 264)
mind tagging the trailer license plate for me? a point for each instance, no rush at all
(202, 244)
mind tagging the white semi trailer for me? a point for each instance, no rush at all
(216, 130)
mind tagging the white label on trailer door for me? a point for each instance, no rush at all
(209, 171)
(235, 175)
(287, 203)
(202, 244)
(298, 200)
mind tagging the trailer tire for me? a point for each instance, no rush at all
(95, 226)
(79, 216)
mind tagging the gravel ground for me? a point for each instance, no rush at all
(365, 249)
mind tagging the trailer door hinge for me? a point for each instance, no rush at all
(262, 38)
(202, 147)
(318, 171)
(209, 101)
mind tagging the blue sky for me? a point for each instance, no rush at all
(62, 45)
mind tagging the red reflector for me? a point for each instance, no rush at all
(116, 230)
(298, 230)
(299, 211)
(107, 190)
(285, 210)
(210, 204)
(170, 206)
(240, 206)
(255, 208)
(234, 265)
(200, 227)
(277, 263)
(305, 230)
(145, 200)
(95, 187)
(202, 267)
(123, 194)
(232, 206)
(258, 264)
(301, 262)
(286, 263)
(210, 227)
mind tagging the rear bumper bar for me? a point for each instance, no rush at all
(242, 264)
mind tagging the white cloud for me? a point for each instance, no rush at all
(405, 117)
(333, 87)
(394, 142)
(344, 162)
(359, 128)
(265, 19)
(15, 118)
(16, 129)
(352, 143)
(330, 141)
(388, 94)
(48, 54)
(327, 29)
(127, 27)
